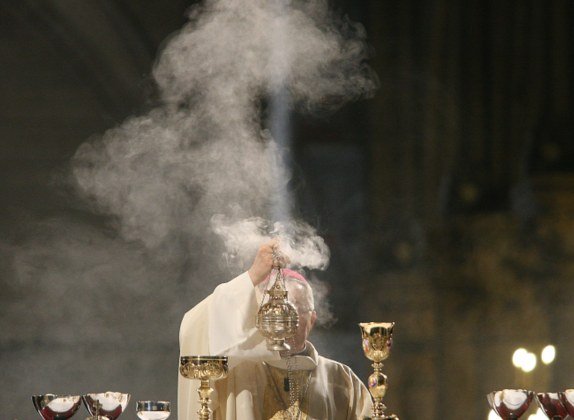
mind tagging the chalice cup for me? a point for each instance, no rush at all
(567, 398)
(56, 407)
(153, 410)
(377, 339)
(106, 404)
(204, 369)
(510, 404)
(550, 403)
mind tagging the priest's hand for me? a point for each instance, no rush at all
(268, 257)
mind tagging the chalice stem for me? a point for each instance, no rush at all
(204, 392)
(378, 408)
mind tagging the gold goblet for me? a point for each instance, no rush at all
(204, 368)
(377, 341)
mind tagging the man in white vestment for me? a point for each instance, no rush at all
(258, 384)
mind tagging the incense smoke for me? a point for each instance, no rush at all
(204, 151)
(297, 240)
(185, 183)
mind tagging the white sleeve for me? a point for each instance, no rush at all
(231, 322)
(222, 324)
(363, 403)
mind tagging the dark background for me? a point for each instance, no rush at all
(447, 201)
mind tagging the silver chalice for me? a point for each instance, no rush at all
(510, 404)
(107, 404)
(56, 407)
(567, 398)
(550, 403)
(153, 410)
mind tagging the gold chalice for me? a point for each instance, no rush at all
(377, 341)
(204, 368)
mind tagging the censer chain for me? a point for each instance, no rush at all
(294, 388)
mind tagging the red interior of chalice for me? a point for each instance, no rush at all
(551, 405)
(510, 404)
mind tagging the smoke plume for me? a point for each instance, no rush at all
(191, 180)
(297, 240)
(203, 150)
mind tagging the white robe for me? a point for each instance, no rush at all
(224, 324)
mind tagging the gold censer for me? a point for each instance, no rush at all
(277, 320)
(377, 339)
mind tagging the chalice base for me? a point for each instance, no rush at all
(278, 345)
